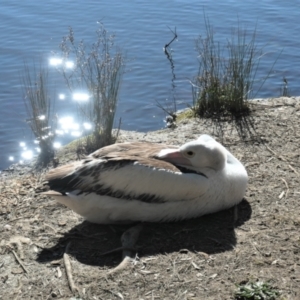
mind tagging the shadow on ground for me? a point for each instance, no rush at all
(209, 234)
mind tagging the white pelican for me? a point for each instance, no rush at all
(150, 182)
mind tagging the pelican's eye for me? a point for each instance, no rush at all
(190, 153)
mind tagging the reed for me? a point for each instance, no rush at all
(39, 106)
(226, 74)
(98, 70)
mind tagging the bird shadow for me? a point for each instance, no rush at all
(210, 234)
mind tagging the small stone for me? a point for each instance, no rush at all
(7, 227)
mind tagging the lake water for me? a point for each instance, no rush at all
(32, 30)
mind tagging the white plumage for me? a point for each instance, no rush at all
(150, 182)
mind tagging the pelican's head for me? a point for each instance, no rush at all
(205, 152)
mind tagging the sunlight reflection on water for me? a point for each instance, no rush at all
(81, 97)
(56, 145)
(54, 61)
(67, 129)
(61, 96)
(27, 154)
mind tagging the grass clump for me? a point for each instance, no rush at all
(256, 291)
(39, 107)
(226, 74)
(97, 71)
(185, 114)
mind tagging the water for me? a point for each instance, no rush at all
(31, 31)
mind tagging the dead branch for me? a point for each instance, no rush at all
(19, 260)
(68, 268)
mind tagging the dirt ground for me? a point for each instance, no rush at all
(202, 258)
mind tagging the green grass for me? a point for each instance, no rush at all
(185, 114)
(258, 290)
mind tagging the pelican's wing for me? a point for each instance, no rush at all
(127, 171)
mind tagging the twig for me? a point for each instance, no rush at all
(287, 187)
(68, 268)
(256, 248)
(169, 56)
(10, 221)
(18, 241)
(168, 112)
(271, 151)
(274, 153)
(174, 38)
(293, 169)
(114, 293)
(19, 261)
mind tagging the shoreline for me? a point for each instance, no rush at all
(186, 130)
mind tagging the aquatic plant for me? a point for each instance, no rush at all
(98, 70)
(39, 106)
(226, 74)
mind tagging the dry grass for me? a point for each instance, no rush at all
(39, 106)
(203, 258)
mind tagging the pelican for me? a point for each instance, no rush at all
(149, 182)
